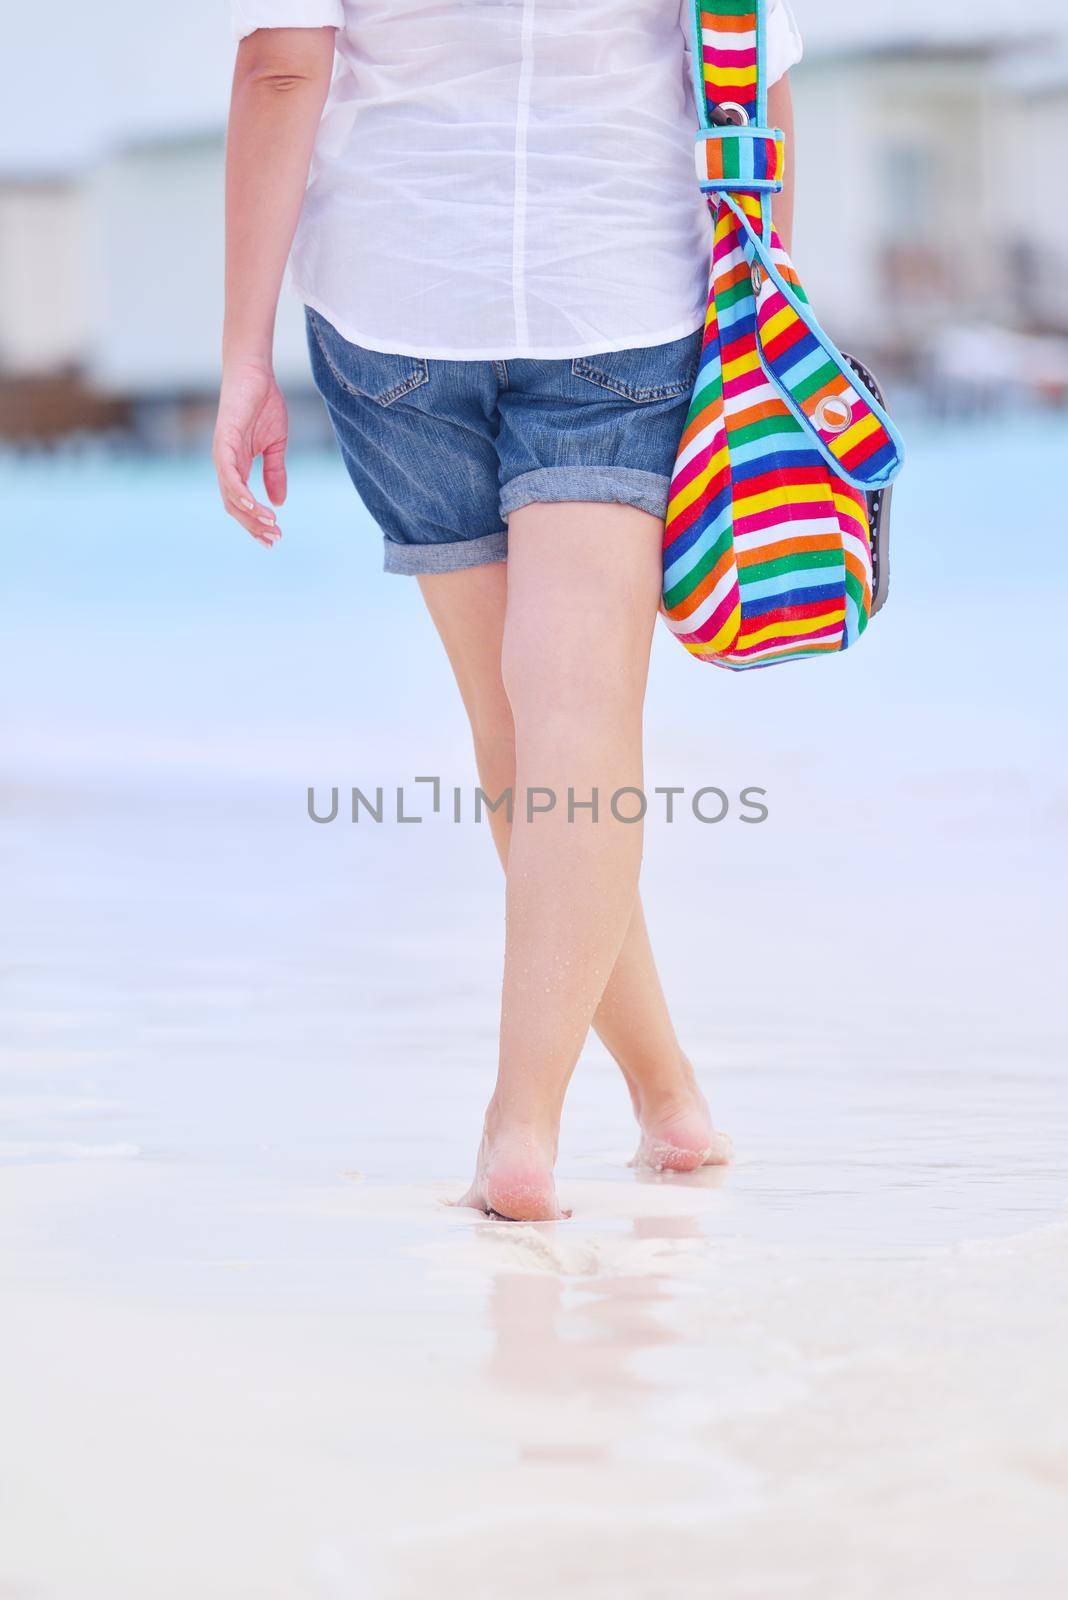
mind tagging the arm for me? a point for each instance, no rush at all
(280, 83)
(781, 115)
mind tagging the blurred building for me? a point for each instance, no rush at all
(1032, 142)
(927, 237)
(155, 244)
(44, 296)
(157, 248)
(46, 311)
(924, 190)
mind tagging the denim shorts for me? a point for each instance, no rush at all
(441, 452)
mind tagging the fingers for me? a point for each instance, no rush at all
(274, 472)
(257, 519)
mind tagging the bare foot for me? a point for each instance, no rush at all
(677, 1134)
(514, 1178)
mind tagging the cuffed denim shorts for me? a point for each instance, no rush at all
(441, 452)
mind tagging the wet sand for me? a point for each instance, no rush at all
(250, 1350)
(284, 1391)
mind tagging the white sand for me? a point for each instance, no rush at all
(247, 1353)
(635, 1403)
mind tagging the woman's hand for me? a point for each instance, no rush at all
(252, 422)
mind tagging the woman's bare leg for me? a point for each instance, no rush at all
(632, 1020)
(468, 608)
(582, 595)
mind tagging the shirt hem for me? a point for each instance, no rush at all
(634, 339)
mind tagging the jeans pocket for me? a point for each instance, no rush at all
(369, 374)
(647, 373)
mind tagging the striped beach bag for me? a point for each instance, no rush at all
(788, 454)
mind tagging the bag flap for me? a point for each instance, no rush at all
(840, 413)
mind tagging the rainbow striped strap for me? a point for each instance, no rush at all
(729, 60)
(740, 163)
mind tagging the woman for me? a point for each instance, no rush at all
(504, 257)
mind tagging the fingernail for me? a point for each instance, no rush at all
(248, 504)
(266, 519)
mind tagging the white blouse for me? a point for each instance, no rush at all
(504, 178)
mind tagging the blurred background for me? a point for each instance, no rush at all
(928, 236)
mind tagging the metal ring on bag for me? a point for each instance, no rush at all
(833, 414)
(737, 115)
(756, 277)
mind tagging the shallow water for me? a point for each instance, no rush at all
(250, 1351)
